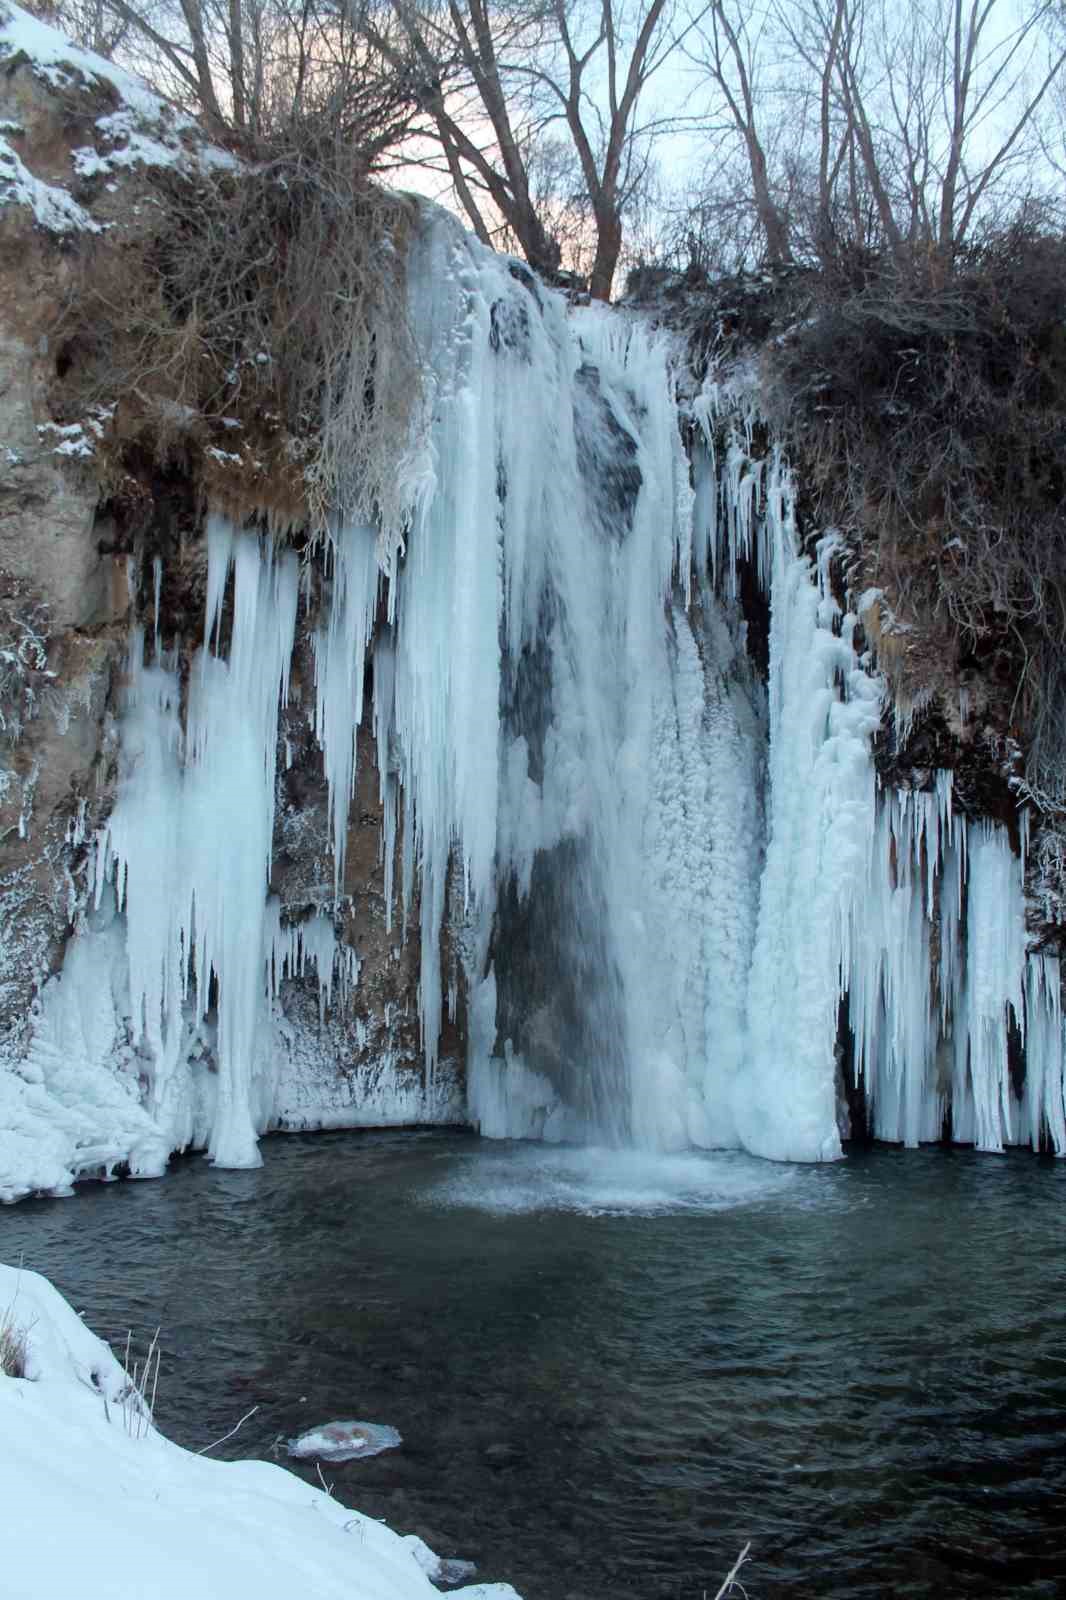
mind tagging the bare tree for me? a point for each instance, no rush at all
(498, 86)
(730, 52)
(256, 67)
(907, 125)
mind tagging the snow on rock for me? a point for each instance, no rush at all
(143, 131)
(80, 1456)
(53, 207)
(344, 1441)
(63, 65)
(175, 140)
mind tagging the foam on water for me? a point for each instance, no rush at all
(606, 1182)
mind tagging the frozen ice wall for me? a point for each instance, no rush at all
(577, 736)
(683, 910)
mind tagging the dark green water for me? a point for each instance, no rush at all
(611, 1376)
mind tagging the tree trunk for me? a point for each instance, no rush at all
(608, 249)
(236, 62)
(194, 21)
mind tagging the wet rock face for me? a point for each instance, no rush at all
(380, 1018)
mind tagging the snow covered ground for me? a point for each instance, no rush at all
(96, 1502)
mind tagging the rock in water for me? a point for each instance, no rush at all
(344, 1441)
(453, 1571)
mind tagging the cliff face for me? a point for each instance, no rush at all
(90, 550)
(64, 600)
(675, 758)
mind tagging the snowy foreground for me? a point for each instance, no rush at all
(96, 1502)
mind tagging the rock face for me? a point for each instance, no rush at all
(62, 603)
(83, 560)
(362, 1063)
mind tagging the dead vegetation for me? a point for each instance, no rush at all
(254, 334)
(927, 416)
(12, 1347)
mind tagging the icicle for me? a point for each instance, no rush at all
(1044, 1111)
(157, 585)
(995, 968)
(291, 949)
(384, 720)
(340, 664)
(220, 537)
(189, 842)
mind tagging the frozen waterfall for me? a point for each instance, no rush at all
(684, 911)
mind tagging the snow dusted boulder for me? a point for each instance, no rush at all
(138, 1514)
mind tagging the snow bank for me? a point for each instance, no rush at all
(61, 63)
(96, 1502)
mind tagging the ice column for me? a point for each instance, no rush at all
(189, 845)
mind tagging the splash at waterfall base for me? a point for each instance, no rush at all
(647, 883)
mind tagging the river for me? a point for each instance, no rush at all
(612, 1371)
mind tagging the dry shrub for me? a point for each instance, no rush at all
(255, 330)
(12, 1347)
(927, 414)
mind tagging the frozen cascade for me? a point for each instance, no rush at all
(685, 912)
(582, 741)
(822, 793)
(888, 926)
(188, 847)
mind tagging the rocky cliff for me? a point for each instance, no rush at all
(96, 540)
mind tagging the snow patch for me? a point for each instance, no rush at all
(53, 207)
